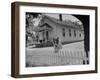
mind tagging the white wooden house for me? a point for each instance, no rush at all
(67, 31)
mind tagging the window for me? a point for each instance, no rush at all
(74, 33)
(63, 32)
(70, 32)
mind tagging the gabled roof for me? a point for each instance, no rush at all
(66, 23)
(43, 27)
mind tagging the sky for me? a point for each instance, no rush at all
(64, 17)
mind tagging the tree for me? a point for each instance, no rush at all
(86, 24)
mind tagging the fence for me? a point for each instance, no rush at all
(50, 58)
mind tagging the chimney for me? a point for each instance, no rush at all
(60, 17)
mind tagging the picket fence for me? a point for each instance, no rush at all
(57, 59)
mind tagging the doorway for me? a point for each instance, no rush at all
(47, 35)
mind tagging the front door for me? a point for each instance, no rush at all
(47, 35)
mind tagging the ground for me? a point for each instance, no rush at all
(70, 54)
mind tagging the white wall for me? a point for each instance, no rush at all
(5, 40)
